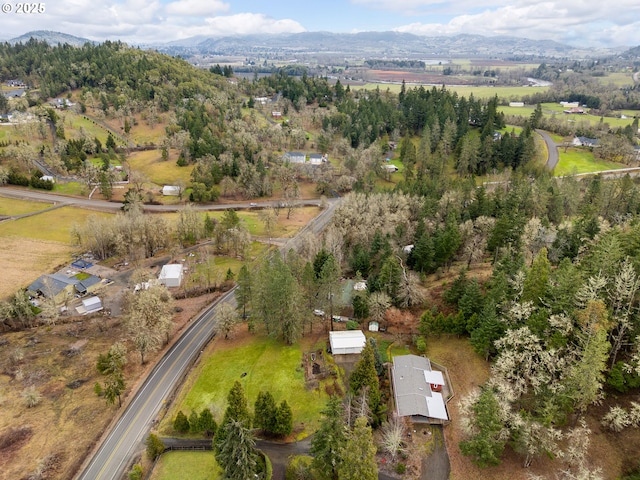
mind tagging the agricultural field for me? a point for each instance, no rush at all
(191, 465)
(11, 206)
(259, 363)
(482, 92)
(580, 160)
(36, 244)
(618, 79)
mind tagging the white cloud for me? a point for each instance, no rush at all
(250, 23)
(570, 21)
(192, 8)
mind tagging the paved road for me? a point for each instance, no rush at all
(42, 196)
(117, 449)
(119, 446)
(552, 158)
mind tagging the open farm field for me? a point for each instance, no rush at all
(143, 134)
(619, 79)
(23, 260)
(160, 172)
(13, 206)
(484, 92)
(578, 160)
(260, 364)
(52, 226)
(191, 465)
(36, 244)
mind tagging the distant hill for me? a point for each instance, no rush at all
(52, 38)
(395, 44)
(631, 53)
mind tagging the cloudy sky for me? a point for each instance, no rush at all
(584, 23)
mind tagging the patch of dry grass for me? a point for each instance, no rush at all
(23, 260)
(13, 206)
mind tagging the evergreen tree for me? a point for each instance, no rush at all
(243, 292)
(365, 376)
(487, 441)
(235, 451)
(181, 423)
(329, 441)
(207, 423)
(358, 458)
(283, 419)
(236, 411)
(264, 411)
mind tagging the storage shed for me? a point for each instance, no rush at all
(90, 305)
(171, 275)
(171, 190)
(344, 343)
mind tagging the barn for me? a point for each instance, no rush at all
(347, 342)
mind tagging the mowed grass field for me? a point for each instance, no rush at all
(35, 245)
(187, 465)
(11, 207)
(260, 364)
(578, 160)
(75, 123)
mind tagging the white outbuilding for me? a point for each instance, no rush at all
(344, 343)
(171, 275)
(171, 190)
(90, 305)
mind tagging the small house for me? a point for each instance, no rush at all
(347, 342)
(516, 104)
(276, 115)
(374, 326)
(171, 275)
(317, 159)
(48, 178)
(360, 286)
(417, 390)
(390, 168)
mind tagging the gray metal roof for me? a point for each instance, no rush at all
(412, 392)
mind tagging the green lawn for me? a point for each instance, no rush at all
(578, 160)
(160, 172)
(187, 466)
(70, 188)
(10, 206)
(53, 226)
(268, 365)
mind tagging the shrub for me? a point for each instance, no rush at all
(31, 397)
(136, 472)
(155, 447)
(401, 468)
(299, 468)
(352, 325)
(421, 345)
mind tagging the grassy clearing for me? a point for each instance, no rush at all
(187, 465)
(11, 206)
(268, 364)
(160, 172)
(70, 188)
(53, 226)
(618, 79)
(74, 124)
(23, 260)
(578, 160)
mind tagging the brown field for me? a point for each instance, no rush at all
(413, 77)
(57, 427)
(23, 260)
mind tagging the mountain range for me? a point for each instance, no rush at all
(364, 44)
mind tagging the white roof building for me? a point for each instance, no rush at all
(347, 342)
(171, 275)
(415, 389)
(171, 190)
(90, 305)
